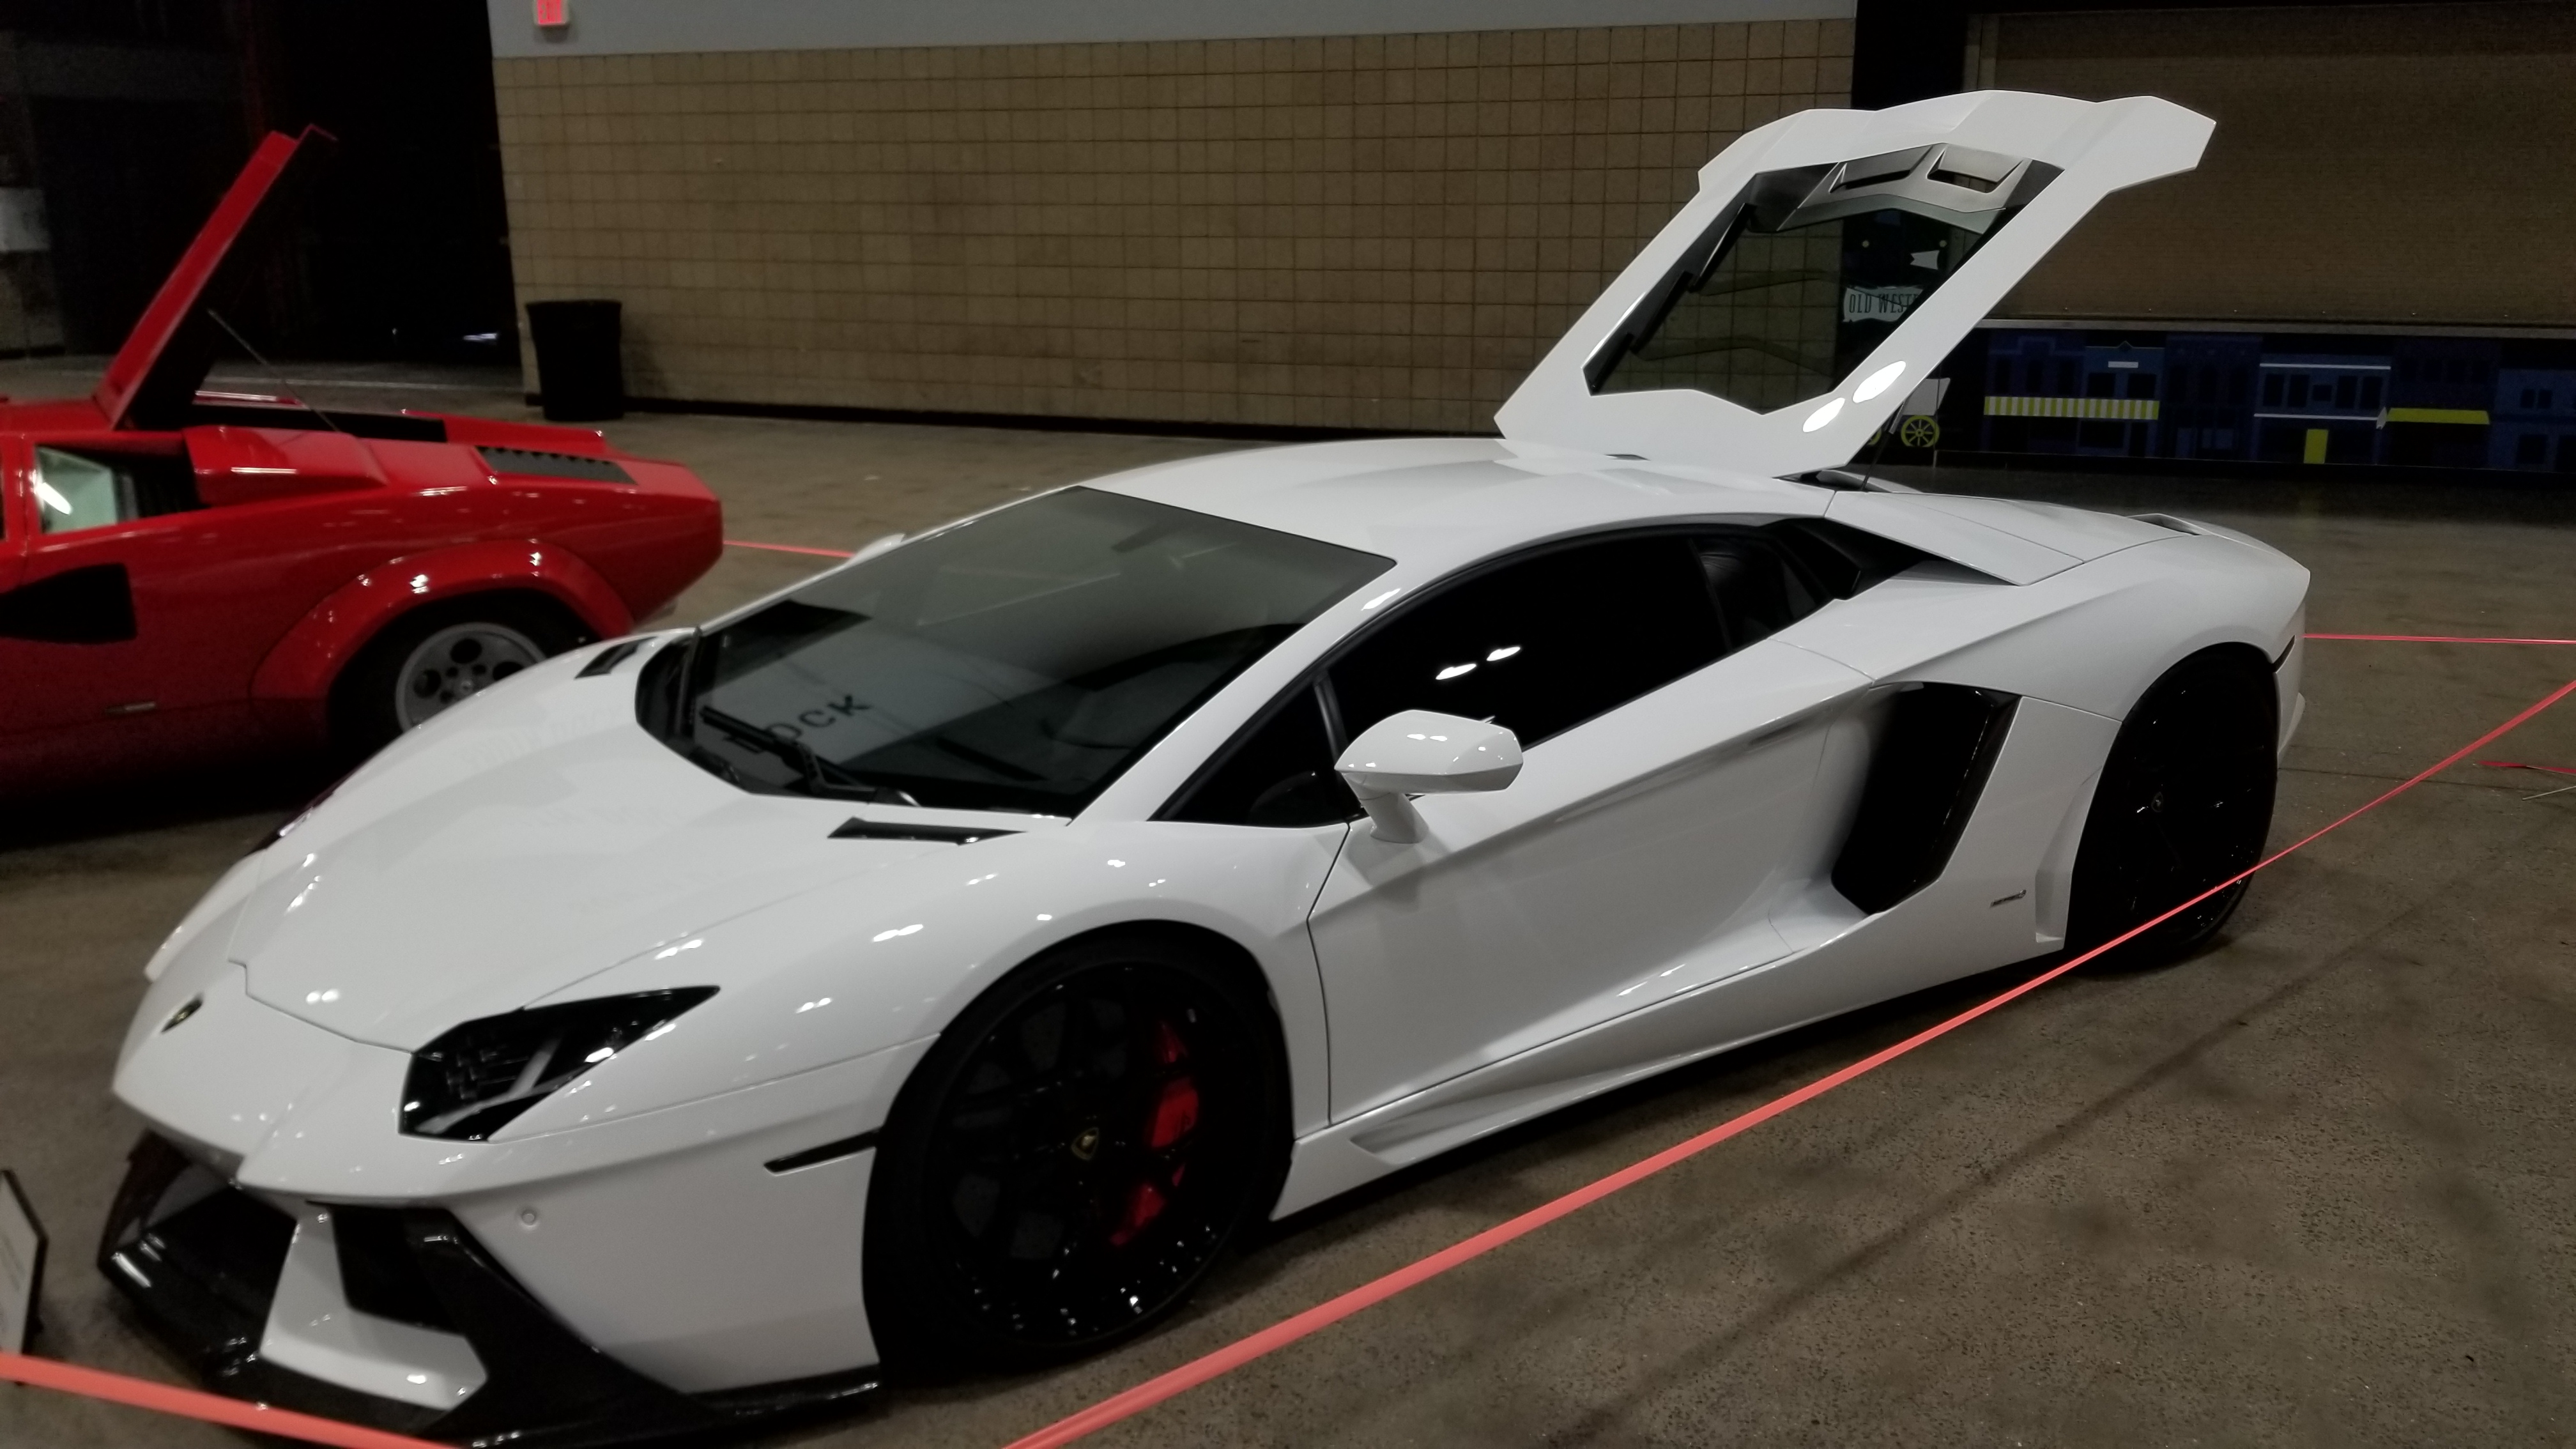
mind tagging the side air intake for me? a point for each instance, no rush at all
(1939, 745)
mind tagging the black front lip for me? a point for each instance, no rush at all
(203, 1275)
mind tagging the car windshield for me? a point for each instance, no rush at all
(1017, 661)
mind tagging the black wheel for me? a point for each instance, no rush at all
(435, 657)
(2185, 801)
(1073, 1154)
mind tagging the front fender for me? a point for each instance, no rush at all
(892, 957)
(298, 672)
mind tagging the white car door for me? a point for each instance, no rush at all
(1830, 262)
(1671, 760)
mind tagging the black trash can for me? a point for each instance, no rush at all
(579, 370)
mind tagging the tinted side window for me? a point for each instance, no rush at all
(1766, 579)
(1838, 559)
(1541, 645)
(1619, 619)
(1758, 591)
(1280, 773)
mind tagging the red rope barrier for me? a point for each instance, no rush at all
(2434, 639)
(46, 1373)
(1279, 1335)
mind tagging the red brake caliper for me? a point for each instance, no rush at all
(1176, 1111)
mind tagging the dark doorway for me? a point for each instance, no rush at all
(132, 116)
(126, 185)
(127, 117)
(403, 243)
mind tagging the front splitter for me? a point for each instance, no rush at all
(202, 1267)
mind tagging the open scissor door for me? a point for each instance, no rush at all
(153, 378)
(1830, 261)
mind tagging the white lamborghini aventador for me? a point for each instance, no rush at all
(948, 956)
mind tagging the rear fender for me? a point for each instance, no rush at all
(295, 679)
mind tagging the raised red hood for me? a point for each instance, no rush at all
(155, 375)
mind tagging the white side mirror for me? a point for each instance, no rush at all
(1420, 752)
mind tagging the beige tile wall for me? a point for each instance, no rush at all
(1371, 232)
(2337, 128)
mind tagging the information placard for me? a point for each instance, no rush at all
(22, 1264)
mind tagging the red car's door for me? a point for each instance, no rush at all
(135, 616)
(104, 663)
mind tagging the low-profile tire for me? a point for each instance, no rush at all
(2184, 802)
(438, 655)
(1074, 1153)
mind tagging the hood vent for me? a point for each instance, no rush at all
(857, 829)
(528, 463)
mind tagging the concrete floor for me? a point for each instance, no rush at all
(2309, 1188)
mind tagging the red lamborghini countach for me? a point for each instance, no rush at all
(187, 575)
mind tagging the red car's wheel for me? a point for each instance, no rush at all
(433, 658)
(456, 663)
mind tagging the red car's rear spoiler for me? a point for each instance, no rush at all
(155, 374)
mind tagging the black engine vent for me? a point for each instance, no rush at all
(529, 463)
(1940, 744)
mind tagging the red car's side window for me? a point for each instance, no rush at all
(90, 488)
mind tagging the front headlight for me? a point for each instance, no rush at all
(477, 1078)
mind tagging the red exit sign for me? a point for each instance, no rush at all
(550, 13)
